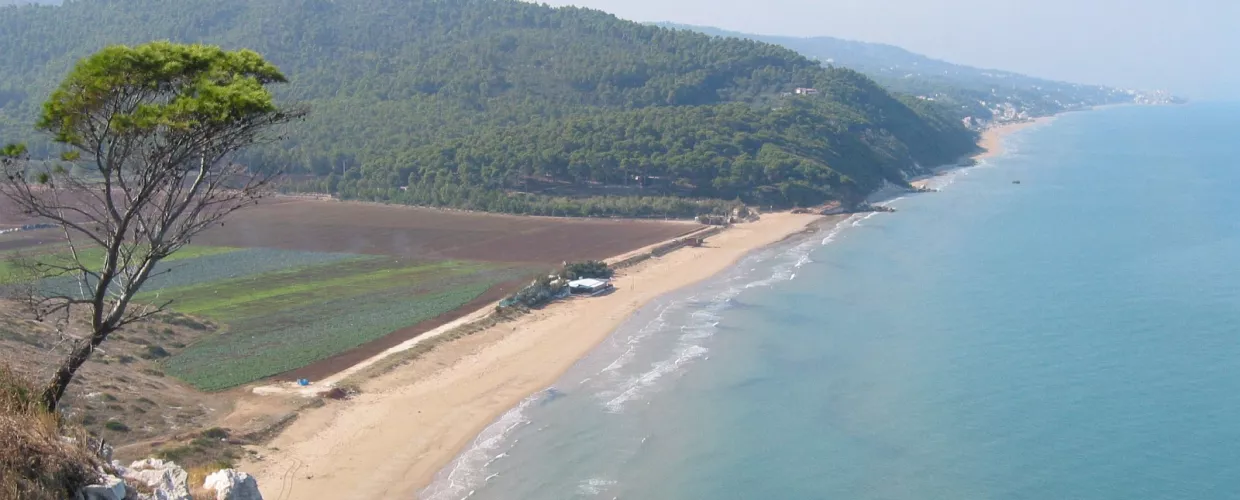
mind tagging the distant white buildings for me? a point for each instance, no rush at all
(805, 91)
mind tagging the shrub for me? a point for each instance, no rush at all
(588, 269)
(546, 289)
(116, 425)
(215, 433)
(37, 462)
(156, 352)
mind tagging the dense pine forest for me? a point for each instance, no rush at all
(509, 106)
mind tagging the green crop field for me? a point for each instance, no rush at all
(14, 264)
(280, 310)
(286, 319)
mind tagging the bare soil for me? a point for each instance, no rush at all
(335, 226)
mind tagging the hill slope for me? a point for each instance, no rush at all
(461, 103)
(984, 94)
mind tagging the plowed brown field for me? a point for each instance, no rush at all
(333, 226)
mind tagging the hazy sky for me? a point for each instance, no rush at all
(1191, 47)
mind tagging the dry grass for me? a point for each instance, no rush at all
(41, 456)
(198, 476)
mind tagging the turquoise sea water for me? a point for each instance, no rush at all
(1076, 336)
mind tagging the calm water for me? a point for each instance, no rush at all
(1076, 336)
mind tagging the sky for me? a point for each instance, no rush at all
(1191, 47)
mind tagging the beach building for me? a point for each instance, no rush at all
(588, 286)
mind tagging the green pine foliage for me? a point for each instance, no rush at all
(509, 106)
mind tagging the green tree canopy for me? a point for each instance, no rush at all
(507, 105)
(149, 132)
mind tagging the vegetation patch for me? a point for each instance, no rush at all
(36, 461)
(44, 261)
(284, 320)
(187, 271)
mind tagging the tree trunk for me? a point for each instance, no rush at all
(64, 374)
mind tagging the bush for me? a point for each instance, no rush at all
(156, 352)
(215, 433)
(589, 269)
(117, 426)
(547, 288)
(37, 462)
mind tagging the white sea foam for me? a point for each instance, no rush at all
(633, 341)
(460, 478)
(594, 486)
(703, 323)
(636, 385)
(699, 319)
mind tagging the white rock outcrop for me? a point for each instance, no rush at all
(155, 479)
(233, 485)
(167, 480)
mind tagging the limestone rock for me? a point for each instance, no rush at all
(233, 485)
(167, 480)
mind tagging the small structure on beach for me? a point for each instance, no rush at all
(588, 286)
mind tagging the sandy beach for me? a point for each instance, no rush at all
(391, 440)
(991, 142)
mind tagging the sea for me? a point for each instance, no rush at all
(1075, 335)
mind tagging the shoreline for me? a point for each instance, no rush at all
(406, 425)
(991, 144)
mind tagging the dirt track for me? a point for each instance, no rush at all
(332, 226)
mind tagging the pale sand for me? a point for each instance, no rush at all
(991, 142)
(391, 440)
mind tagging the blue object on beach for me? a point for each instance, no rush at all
(303, 382)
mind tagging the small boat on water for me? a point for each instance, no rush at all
(1015, 182)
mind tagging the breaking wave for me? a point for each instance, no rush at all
(461, 477)
(661, 342)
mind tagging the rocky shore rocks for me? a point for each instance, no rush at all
(155, 479)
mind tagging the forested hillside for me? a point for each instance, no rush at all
(506, 105)
(984, 94)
